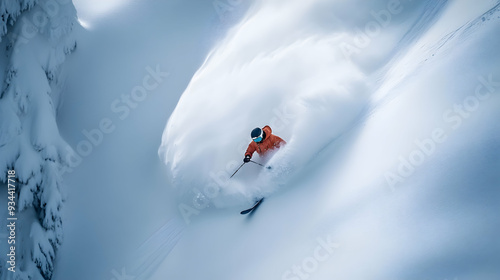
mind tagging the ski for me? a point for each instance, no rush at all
(244, 212)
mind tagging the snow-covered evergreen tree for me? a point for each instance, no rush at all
(36, 36)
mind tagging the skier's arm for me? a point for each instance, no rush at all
(250, 150)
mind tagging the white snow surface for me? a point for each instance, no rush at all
(355, 110)
(392, 149)
(291, 83)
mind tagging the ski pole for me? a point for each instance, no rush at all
(268, 167)
(237, 170)
(257, 163)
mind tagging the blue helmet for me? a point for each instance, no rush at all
(257, 134)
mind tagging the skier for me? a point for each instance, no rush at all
(263, 142)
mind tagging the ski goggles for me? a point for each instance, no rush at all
(259, 138)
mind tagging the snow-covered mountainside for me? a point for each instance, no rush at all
(390, 112)
(119, 208)
(389, 109)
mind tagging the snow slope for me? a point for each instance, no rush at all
(391, 171)
(119, 208)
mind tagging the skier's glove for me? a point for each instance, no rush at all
(247, 159)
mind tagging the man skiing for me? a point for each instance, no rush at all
(263, 142)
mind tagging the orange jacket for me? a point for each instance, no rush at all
(270, 142)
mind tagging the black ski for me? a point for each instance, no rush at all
(244, 212)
